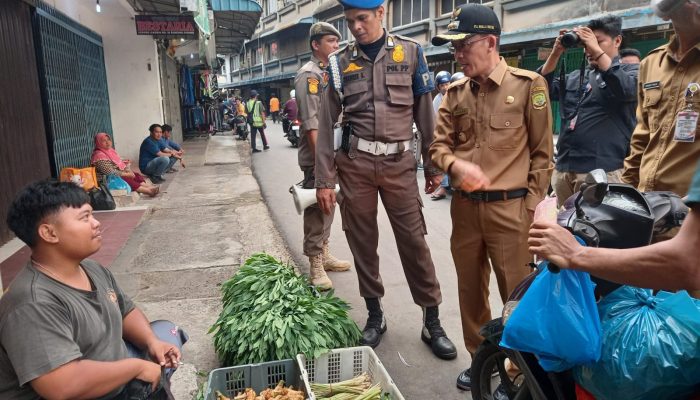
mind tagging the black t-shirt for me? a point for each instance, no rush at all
(45, 324)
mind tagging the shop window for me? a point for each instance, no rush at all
(342, 26)
(408, 11)
(447, 6)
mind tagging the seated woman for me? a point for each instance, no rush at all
(106, 161)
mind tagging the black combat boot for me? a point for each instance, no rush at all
(435, 336)
(376, 324)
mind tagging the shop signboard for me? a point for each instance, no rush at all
(165, 25)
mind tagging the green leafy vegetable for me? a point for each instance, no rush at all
(271, 313)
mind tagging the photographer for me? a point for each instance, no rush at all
(597, 102)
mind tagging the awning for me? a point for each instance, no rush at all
(235, 23)
(235, 20)
(262, 79)
(631, 19)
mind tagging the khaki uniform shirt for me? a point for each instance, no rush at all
(656, 161)
(309, 83)
(381, 100)
(504, 127)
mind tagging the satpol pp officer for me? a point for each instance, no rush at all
(381, 84)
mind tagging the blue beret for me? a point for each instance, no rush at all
(363, 4)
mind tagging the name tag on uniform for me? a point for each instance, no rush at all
(460, 111)
(686, 125)
(652, 85)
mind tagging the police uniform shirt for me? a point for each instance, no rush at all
(381, 99)
(656, 161)
(503, 127)
(310, 81)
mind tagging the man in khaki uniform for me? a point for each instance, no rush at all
(381, 84)
(311, 80)
(493, 136)
(661, 156)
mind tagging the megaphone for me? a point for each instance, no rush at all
(304, 198)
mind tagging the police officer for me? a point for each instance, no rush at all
(310, 81)
(493, 136)
(381, 84)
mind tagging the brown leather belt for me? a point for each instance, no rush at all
(494, 196)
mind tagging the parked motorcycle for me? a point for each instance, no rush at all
(291, 129)
(602, 214)
(241, 127)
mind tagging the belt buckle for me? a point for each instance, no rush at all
(477, 196)
(380, 148)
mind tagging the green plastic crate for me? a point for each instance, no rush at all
(233, 380)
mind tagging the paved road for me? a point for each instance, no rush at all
(419, 375)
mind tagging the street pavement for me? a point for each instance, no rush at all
(411, 364)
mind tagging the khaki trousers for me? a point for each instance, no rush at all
(565, 184)
(481, 231)
(363, 179)
(317, 225)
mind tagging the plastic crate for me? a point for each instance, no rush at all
(343, 364)
(233, 380)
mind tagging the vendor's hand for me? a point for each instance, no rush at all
(589, 41)
(164, 353)
(129, 174)
(468, 176)
(432, 183)
(326, 199)
(554, 243)
(150, 372)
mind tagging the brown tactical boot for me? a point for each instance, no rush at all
(330, 263)
(317, 275)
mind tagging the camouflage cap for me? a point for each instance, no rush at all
(321, 29)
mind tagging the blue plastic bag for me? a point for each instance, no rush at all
(115, 182)
(557, 320)
(650, 347)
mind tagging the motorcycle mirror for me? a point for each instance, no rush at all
(595, 187)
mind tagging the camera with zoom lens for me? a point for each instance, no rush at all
(570, 39)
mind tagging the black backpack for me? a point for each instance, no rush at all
(249, 117)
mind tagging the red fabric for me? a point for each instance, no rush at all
(134, 182)
(101, 153)
(582, 394)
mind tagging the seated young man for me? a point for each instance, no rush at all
(171, 147)
(64, 319)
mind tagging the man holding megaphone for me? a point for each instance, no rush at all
(309, 83)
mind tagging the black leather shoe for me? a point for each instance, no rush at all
(500, 393)
(433, 334)
(376, 324)
(464, 380)
(374, 329)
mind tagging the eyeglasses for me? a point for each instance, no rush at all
(461, 45)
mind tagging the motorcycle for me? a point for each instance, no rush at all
(602, 214)
(241, 127)
(291, 129)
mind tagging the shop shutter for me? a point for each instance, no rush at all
(74, 86)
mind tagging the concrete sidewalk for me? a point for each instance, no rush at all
(209, 218)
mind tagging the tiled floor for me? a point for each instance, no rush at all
(116, 228)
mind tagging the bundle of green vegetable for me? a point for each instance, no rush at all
(271, 313)
(357, 388)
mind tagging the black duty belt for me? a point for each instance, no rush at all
(494, 196)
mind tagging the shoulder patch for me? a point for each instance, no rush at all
(312, 85)
(531, 75)
(538, 96)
